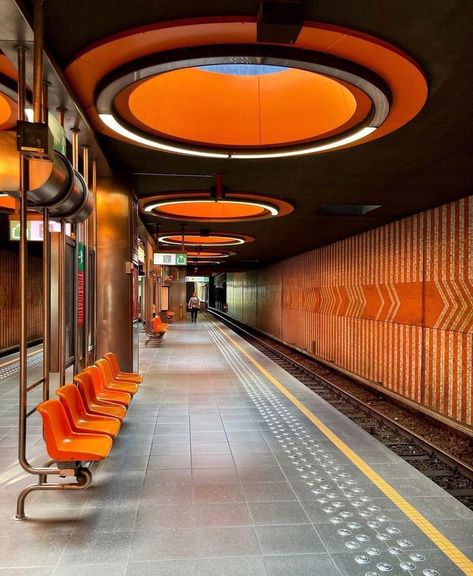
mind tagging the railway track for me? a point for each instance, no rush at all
(453, 474)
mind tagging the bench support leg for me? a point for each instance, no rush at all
(84, 479)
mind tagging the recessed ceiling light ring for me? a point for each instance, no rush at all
(213, 239)
(319, 63)
(202, 206)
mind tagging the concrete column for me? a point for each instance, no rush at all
(114, 278)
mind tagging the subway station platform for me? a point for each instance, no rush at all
(228, 465)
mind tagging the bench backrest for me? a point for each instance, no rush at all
(72, 401)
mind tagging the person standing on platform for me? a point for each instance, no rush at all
(194, 305)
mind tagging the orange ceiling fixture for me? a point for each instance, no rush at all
(215, 206)
(261, 101)
(7, 202)
(208, 254)
(8, 112)
(8, 106)
(205, 87)
(208, 240)
(248, 110)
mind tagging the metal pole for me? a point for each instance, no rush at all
(46, 301)
(46, 269)
(86, 328)
(94, 223)
(61, 114)
(75, 148)
(78, 238)
(183, 237)
(62, 306)
(44, 108)
(23, 266)
(38, 28)
(23, 249)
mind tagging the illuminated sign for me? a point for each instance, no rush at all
(34, 229)
(170, 259)
(141, 254)
(197, 278)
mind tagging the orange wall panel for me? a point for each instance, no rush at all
(393, 305)
(10, 296)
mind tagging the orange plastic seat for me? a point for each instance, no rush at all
(110, 383)
(158, 326)
(65, 445)
(103, 393)
(93, 404)
(80, 419)
(119, 374)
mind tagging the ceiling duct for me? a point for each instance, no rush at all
(280, 21)
(52, 183)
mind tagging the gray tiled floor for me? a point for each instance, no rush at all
(215, 472)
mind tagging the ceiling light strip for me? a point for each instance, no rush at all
(112, 123)
(271, 209)
(232, 240)
(363, 133)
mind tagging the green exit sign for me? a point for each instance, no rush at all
(170, 259)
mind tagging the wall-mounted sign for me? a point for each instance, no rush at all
(80, 283)
(170, 259)
(197, 278)
(34, 229)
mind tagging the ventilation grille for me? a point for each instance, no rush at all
(347, 209)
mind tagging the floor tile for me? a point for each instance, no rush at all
(218, 493)
(300, 565)
(228, 514)
(268, 491)
(300, 539)
(212, 461)
(271, 513)
(210, 448)
(107, 547)
(242, 566)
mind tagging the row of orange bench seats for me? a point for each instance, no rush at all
(80, 424)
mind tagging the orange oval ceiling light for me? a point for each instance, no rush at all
(202, 207)
(260, 109)
(258, 100)
(213, 239)
(377, 88)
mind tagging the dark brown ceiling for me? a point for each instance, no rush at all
(426, 163)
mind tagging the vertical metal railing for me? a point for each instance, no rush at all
(62, 305)
(24, 388)
(85, 326)
(46, 265)
(23, 247)
(78, 239)
(40, 94)
(94, 227)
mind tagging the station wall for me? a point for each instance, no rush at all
(10, 295)
(393, 305)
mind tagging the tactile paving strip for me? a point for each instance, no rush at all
(368, 532)
(14, 367)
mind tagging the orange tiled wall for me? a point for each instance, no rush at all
(394, 305)
(10, 296)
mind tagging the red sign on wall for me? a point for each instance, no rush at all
(80, 284)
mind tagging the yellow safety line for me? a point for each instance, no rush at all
(455, 555)
(18, 359)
